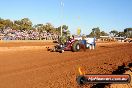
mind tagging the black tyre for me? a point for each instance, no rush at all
(62, 51)
(76, 46)
(53, 50)
(130, 41)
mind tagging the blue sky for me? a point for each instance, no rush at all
(85, 14)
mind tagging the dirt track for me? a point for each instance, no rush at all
(37, 68)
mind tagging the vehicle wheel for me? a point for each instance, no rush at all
(62, 51)
(130, 41)
(75, 46)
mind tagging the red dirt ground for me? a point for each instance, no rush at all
(29, 65)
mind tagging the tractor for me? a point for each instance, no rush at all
(72, 44)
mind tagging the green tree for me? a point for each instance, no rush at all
(114, 32)
(23, 24)
(16, 27)
(58, 30)
(128, 32)
(1, 23)
(5, 23)
(102, 33)
(95, 33)
(8, 23)
(39, 27)
(49, 27)
(26, 24)
(65, 33)
(65, 30)
(65, 27)
(121, 34)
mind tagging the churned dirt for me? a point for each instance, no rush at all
(30, 65)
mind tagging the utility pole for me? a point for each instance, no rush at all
(62, 5)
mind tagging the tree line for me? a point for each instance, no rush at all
(26, 24)
(96, 32)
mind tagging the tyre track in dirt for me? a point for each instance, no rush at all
(67, 61)
(62, 73)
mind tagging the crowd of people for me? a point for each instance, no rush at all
(10, 34)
